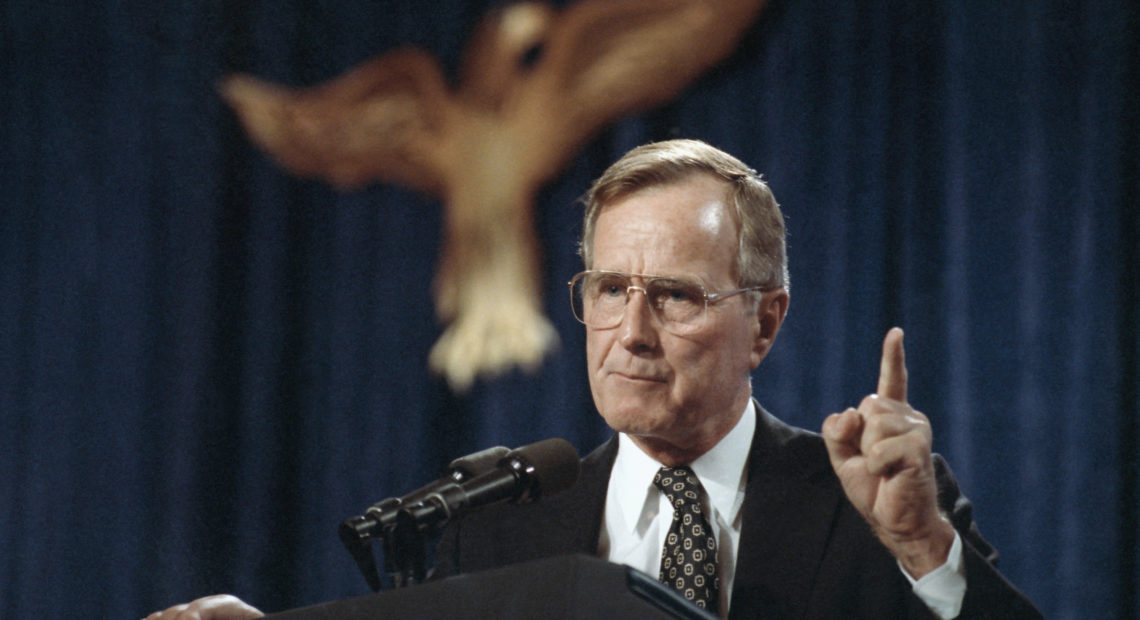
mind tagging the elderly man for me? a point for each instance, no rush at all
(683, 295)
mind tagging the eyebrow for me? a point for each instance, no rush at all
(702, 281)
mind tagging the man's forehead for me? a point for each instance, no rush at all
(690, 239)
(702, 202)
(673, 184)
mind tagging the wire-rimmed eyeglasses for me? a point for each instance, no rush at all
(598, 299)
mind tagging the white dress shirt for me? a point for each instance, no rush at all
(638, 516)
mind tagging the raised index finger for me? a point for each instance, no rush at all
(892, 370)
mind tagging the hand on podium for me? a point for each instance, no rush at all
(215, 607)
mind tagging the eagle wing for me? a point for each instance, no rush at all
(382, 120)
(604, 59)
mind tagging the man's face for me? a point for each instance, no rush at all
(671, 392)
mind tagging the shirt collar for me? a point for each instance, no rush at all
(721, 470)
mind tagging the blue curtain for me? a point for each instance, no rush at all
(206, 364)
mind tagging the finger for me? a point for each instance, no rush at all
(895, 454)
(880, 423)
(883, 417)
(169, 612)
(841, 434)
(892, 369)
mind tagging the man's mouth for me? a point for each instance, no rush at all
(639, 377)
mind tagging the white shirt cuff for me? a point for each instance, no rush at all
(943, 588)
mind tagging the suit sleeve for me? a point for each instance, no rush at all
(988, 593)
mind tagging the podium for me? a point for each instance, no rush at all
(570, 587)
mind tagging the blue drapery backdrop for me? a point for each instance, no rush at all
(206, 364)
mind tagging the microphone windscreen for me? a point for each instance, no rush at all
(555, 464)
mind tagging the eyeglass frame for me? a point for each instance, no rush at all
(709, 298)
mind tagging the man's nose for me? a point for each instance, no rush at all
(639, 332)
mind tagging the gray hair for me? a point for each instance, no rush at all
(762, 251)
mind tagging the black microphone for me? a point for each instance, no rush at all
(460, 470)
(485, 477)
(544, 468)
(357, 532)
(383, 513)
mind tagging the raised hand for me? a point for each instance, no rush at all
(881, 452)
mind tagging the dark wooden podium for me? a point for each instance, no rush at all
(572, 586)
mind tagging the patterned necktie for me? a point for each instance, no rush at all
(688, 561)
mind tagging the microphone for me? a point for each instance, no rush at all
(486, 477)
(523, 475)
(383, 513)
(460, 470)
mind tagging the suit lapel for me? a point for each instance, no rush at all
(790, 503)
(572, 520)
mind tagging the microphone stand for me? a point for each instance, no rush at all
(404, 556)
(356, 534)
(404, 544)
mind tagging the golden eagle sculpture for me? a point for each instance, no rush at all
(535, 84)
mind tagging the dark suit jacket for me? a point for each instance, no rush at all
(805, 552)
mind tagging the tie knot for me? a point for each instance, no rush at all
(680, 485)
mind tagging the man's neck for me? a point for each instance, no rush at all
(670, 454)
(686, 449)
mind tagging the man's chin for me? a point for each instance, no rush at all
(637, 418)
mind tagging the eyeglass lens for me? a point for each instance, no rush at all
(599, 299)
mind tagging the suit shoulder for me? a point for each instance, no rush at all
(794, 450)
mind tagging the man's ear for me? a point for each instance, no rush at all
(770, 313)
